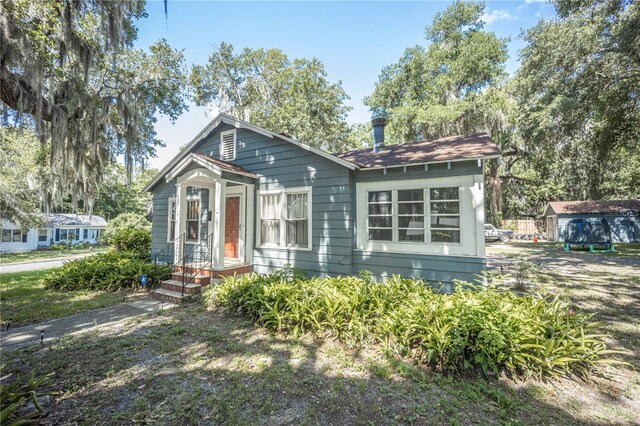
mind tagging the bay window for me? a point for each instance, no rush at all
(285, 218)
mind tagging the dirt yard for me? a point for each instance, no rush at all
(193, 366)
(606, 285)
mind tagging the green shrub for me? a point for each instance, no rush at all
(132, 240)
(125, 221)
(16, 392)
(111, 271)
(485, 329)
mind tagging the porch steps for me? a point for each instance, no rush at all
(197, 279)
(171, 290)
(170, 296)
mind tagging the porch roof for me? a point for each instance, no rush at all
(216, 166)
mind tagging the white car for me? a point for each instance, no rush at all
(491, 233)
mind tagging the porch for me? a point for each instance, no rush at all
(210, 225)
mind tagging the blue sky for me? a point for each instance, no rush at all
(353, 39)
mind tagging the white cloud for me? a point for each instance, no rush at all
(496, 15)
(535, 1)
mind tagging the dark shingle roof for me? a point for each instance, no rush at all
(596, 206)
(452, 148)
(225, 165)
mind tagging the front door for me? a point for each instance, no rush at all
(232, 228)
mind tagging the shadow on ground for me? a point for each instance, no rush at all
(192, 366)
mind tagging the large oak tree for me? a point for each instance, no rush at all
(68, 69)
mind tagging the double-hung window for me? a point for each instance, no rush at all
(285, 218)
(297, 220)
(42, 235)
(172, 220)
(402, 215)
(270, 212)
(64, 233)
(6, 235)
(193, 220)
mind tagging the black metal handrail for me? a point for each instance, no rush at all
(167, 255)
(199, 257)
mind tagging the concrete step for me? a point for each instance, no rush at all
(176, 285)
(196, 279)
(170, 296)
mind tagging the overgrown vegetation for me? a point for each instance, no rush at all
(487, 329)
(111, 271)
(16, 394)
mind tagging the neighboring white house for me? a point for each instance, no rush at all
(58, 228)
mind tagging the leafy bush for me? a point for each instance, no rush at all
(16, 393)
(125, 221)
(485, 329)
(111, 271)
(132, 240)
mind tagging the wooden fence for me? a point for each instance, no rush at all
(522, 226)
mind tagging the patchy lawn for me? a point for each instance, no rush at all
(192, 366)
(40, 255)
(23, 299)
(607, 286)
(528, 248)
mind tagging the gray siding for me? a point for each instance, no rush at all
(160, 217)
(437, 269)
(623, 229)
(280, 164)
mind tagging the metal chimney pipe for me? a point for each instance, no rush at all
(378, 124)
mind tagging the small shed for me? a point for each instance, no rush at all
(622, 217)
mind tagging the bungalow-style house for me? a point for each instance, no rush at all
(58, 228)
(622, 216)
(245, 198)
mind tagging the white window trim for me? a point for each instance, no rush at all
(169, 201)
(235, 144)
(471, 222)
(283, 216)
(186, 214)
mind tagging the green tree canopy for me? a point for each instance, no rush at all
(69, 69)
(577, 89)
(454, 85)
(269, 89)
(441, 89)
(19, 179)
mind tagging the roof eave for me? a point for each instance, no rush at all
(238, 123)
(458, 160)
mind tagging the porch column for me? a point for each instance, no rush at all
(181, 214)
(220, 196)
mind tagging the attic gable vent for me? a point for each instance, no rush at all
(228, 145)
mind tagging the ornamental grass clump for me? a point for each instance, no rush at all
(470, 329)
